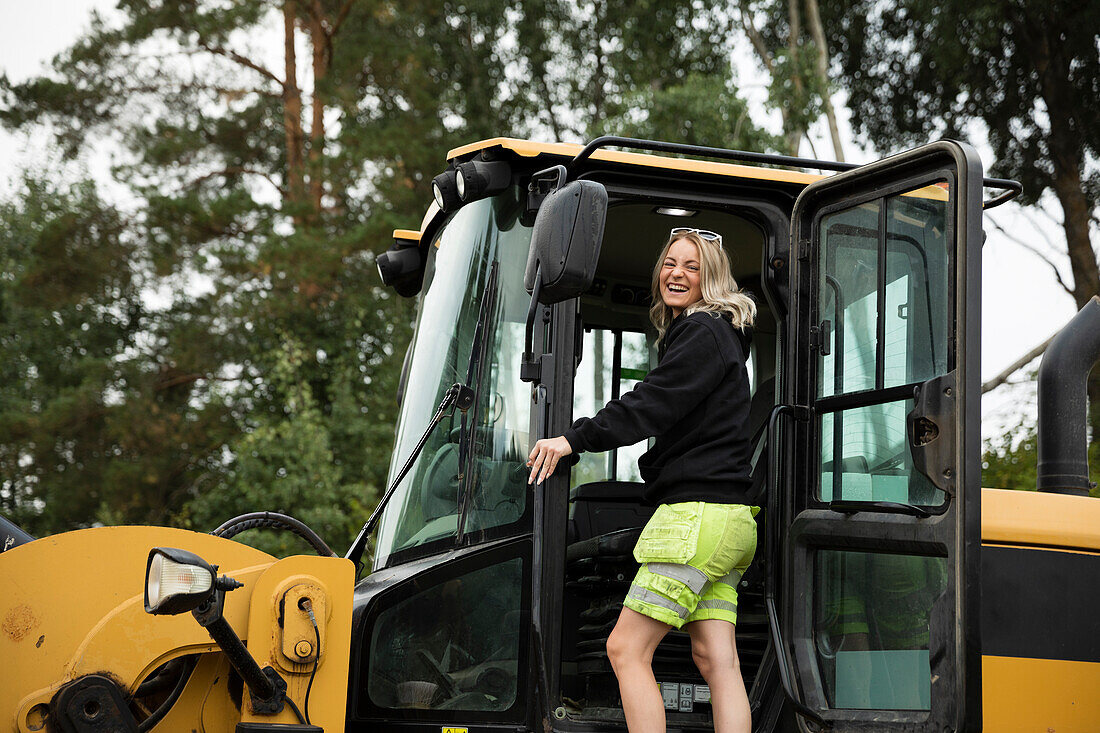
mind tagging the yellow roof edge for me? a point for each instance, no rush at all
(530, 149)
(406, 234)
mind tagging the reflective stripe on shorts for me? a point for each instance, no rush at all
(717, 604)
(645, 595)
(733, 577)
(693, 578)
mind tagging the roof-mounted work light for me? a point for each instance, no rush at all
(401, 267)
(478, 179)
(445, 190)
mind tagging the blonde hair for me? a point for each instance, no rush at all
(721, 295)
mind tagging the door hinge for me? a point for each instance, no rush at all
(821, 338)
(803, 249)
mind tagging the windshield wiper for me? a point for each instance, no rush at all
(473, 377)
(458, 395)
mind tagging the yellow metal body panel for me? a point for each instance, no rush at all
(74, 605)
(529, 149)
(407, 235)
(328, 582)
(1040, 695)
(1042, 519)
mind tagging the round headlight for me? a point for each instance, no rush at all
(445, 190)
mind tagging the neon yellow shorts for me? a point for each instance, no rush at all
(693, 554)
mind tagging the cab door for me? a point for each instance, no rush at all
(879, 483)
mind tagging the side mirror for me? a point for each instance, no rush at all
(565, 246)
(566, 240)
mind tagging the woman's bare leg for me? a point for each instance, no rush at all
(630, 648)
(714, 649)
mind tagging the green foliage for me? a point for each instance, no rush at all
(796, 87)
(90, 419)
(226, 346)
(286, 463)
(1011, 461)
(702, 110)
(923, 68)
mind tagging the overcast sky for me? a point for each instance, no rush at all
(1021, 302)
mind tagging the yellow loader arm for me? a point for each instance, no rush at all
(73, 630)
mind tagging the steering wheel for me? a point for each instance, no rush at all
(442, 678)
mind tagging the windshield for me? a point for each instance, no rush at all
(424, 514)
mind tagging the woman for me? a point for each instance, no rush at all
(702, 537)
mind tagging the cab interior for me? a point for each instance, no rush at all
(606, 511)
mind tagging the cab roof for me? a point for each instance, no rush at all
(531, 149)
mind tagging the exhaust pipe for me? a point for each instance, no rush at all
(1063, 403)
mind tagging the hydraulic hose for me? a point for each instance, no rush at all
(273, 520)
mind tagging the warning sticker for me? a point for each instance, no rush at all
(687, 703)
(670, 691)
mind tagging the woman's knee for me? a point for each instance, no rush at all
(710, 658)
(624, 648)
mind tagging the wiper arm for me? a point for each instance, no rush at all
(460, 396)
(457, 395)
(473, 379)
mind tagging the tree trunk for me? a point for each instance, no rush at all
(762, 51)
(292, 112)
(1068, 159)
(599, 92)
(319, 39)
(813, 19)
(795, 131)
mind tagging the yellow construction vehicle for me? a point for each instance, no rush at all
(891, 592)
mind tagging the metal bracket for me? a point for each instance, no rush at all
(821, 338)
(91, 704)
(930, 429)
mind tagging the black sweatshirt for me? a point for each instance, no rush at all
(696, 401)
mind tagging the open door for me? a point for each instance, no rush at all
(879, 480)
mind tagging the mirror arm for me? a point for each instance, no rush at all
(530, 368)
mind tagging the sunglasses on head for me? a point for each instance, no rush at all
(706, 234)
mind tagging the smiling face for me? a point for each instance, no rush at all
(680, 276)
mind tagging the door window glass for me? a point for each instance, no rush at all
(595, 384)
(847, 299)
(453, 646)
(865, 457)
(883, 303)
(882, 293)
(872, 627)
